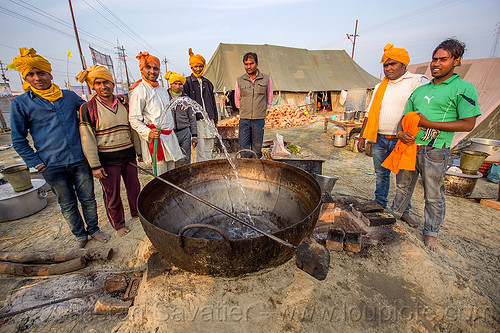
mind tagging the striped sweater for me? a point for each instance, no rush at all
(107, 138)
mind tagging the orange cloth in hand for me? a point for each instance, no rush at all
(371, 129)
(404, 156)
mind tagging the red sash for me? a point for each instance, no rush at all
(160, 156)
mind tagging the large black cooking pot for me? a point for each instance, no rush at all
(281, 199)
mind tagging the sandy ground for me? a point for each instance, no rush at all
(395, 286)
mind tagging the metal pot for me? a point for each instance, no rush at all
(460, 184)
(340, 140)
(282, 199)
(349, 115)
(489, 146)
(16, 205)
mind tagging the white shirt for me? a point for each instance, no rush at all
(148, 105)
(394, 101)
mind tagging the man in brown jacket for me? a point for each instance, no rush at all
(253, 96)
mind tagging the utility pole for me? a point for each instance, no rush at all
(353, 40)
(493, 52)
(84, 66)
(126, 69)
(4, 69)
(165, 62)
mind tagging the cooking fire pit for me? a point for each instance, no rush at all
(281, 199)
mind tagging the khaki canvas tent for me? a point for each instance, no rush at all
(294, 72)
(484, 74)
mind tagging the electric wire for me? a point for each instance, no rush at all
(39, 24)
(47, 15)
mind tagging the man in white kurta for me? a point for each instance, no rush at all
(148, 112)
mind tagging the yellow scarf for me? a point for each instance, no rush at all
(51, 94)
(371, 129)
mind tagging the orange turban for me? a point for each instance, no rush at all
(174, 77)
(94, 72)
(391, 52)
(195, 59)
(145, 58)
(28, 59)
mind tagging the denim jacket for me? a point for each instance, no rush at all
(52, 125)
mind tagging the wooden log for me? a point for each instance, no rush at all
(42, 270)
(491, 203)
(44, 257)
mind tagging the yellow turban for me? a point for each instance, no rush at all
(195, 59)
(28, 59)
(173, 77)
(94, 72)
(145, 58)
(391, 52)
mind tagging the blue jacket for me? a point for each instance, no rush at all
(52, 125)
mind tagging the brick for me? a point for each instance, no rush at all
(118, 283)
(109, 305)
(367, 207)
(379, 218)
(328, 216)
(132, 289)
(352, 242)
(335, 240)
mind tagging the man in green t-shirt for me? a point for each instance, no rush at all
(445, 105)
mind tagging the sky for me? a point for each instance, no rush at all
(168, 29)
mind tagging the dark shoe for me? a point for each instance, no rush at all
(80, 244)
(409, 220)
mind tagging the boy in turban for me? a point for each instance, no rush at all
(385, 112)
(110, 145)
(149, 117)
(50, 115)
(201, 90)
(445, 105)
(184, 118)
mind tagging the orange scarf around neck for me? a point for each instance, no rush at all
(153, 83)
(371, 129)
(51, 94)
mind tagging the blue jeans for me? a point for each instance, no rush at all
(431, 164)
(380, 151)
(251, 136)
(69, 182)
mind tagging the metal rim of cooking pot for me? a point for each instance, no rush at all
(214, 256)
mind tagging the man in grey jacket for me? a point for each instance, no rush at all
(184, 118)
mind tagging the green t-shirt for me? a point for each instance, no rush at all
(450, 100)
